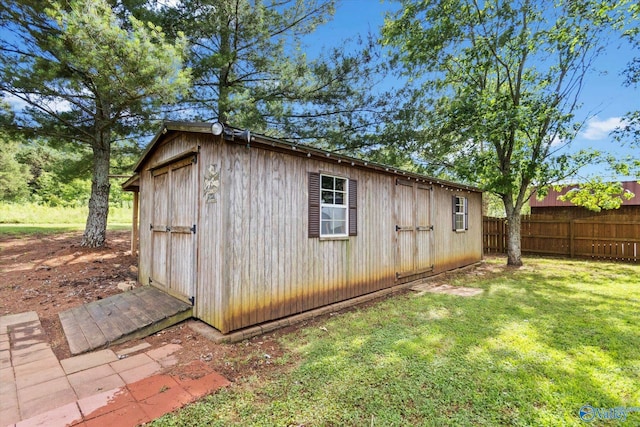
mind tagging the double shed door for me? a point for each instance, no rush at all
(173, 228)
(414, 229)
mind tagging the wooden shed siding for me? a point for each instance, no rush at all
(144, 239)
(209, 301)
(456, 249)
(255, 261)
(171, 147)
(278, 270)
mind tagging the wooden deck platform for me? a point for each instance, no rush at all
(119, 318)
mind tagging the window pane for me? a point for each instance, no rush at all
(327, 196)
(339, 214)
(326, 214)
(327, 182)
(459, 221)
(339, 227)
(333, 220)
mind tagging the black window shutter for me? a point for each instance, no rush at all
(314, 204)
(353, 207)
(466, 213)
(453, 212)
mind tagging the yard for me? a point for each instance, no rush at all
(541, 342)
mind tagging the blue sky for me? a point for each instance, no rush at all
(605, 100)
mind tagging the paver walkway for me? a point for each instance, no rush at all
(95, 389)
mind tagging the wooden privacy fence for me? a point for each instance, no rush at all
(598, 237)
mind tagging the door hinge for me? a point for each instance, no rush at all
(431, 227)
(193, 229)
(397, 227)
(168, 228)
(192, 300)
(150, 226)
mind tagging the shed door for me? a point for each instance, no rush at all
(413, 228)
(173, 257)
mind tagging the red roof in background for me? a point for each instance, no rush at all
(552, 198)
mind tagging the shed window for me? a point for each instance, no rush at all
(460, 213)
(332, 206)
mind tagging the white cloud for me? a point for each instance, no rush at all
(597, 129)
(166, 3)
(16, 103)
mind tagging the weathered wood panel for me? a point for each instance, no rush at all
(423, 229)
(210, 295)
(405, 227)
(255, 260)
(455, 249)
(605, 237)
(121, 317)
(182, 260)
(238, 171)
(289, 272)
(158, 225)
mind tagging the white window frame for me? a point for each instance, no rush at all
(460, 212)
(344, 206)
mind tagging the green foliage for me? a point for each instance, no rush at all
(499, 84)
(535, 347)
(629, 132)
(596, 195)
(244, 54)
(38, 214)
(14, 176)
(250, 69)
(89, 77)
(19, 230)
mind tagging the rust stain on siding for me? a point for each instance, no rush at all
(303, 297)
(236, 314)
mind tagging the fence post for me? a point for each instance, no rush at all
(571, 238)
(505, 237)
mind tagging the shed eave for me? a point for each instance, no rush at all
(197, 127)
(132, 184)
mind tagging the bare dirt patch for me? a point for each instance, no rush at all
(52, 273)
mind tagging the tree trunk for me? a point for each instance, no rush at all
(514, 246)
(96, 229)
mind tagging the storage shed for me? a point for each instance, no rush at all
(250, 229)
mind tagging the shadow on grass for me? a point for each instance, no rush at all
(538, 344)
(535, 348)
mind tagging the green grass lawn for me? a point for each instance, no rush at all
(537, 345)
(31, 218)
